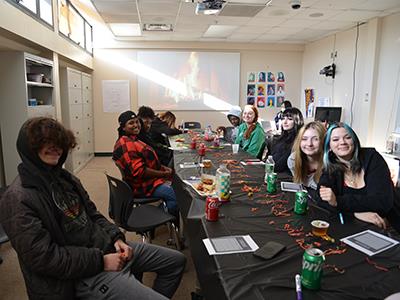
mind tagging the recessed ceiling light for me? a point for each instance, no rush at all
(125, 29)
(316, 15)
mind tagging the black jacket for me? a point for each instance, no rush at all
(380, 195)
(158, 129)
(33, 223)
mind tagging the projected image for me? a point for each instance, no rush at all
(279, 101)
(250, 100)
(189, 80)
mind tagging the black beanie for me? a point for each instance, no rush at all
(125, 117)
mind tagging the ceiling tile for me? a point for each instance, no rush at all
(298, 23)
(381, 5)
(335, 25)
(219, 31)
(340, 4)
(271, 21)
(109, 18)
(157, 19)
(122, 8)
(355, 15)
(232, 20)
(327, 13)
(146, 7)
(284, 31)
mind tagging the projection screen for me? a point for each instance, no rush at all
(188, 80)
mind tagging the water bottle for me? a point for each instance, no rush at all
(269, 167)
(223, 183)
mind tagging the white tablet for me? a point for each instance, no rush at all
(369, 242)
(291, 186)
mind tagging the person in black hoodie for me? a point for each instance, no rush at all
(280, 147)
(65, 247)
(162, 127)
(356, 180)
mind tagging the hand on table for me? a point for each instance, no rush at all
(328, 195)
(371, 217)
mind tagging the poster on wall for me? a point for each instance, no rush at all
(260, 89)
(251, 77)
(309, 102)
(250, 100)
(264, 89)
(261, 76)
(116, 96)
(251, 89)
(261, 101)
(271, 101)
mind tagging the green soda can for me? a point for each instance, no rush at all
(272, 178)
(311, 273)
(300, 204)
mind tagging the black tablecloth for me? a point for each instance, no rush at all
(245, 276)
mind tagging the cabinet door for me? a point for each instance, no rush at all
(74, 79)
(88, 125)
(74, 96)
(78, 129)
(87, 111)
(86, 82)
(87, 96)
(75, 112)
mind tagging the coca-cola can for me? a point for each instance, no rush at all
(212, 208)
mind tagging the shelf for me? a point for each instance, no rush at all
(39, 84)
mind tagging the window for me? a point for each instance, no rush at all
(39, 9)
(74, 26)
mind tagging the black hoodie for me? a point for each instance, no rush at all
(56, 230)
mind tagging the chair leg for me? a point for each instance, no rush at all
(1, 260)
(174, 238)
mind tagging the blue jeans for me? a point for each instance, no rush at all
(167, 193)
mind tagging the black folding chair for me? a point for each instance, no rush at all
(141, 219)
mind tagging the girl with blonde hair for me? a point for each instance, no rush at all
(306, 160)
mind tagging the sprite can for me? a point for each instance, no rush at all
(272, 178)
(300, 204)
(311, 273)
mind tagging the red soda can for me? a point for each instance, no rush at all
(212, 208)
(193, 145)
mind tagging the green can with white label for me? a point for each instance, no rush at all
(311, 273)
(300, 204)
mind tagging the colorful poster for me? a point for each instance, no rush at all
(309, 99)
(271, 90)
(279, 101)
(251, 77)
(260, 101)
(271, 101)
(251, 88)
(260, 89)
(280, 90)
(271, 77)
(250, 100)
(281, 77)
(261, 76)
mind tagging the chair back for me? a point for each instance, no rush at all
(121, 201)
(192, 125)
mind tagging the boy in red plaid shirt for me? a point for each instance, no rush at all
(140, 165)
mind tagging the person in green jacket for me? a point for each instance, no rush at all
(251, 136)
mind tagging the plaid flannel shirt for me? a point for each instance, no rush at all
(133, 157)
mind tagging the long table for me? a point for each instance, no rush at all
(348, 274)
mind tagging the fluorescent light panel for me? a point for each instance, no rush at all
(125, 29)
(219, 31)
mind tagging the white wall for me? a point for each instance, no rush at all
(286, 58)
(377, 65)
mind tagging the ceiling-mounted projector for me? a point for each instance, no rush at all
(209, 7)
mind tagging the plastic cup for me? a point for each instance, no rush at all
(235, 148)
(207, 163)
(319, 227)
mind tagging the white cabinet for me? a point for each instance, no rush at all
(77, 114)
(26, 90)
